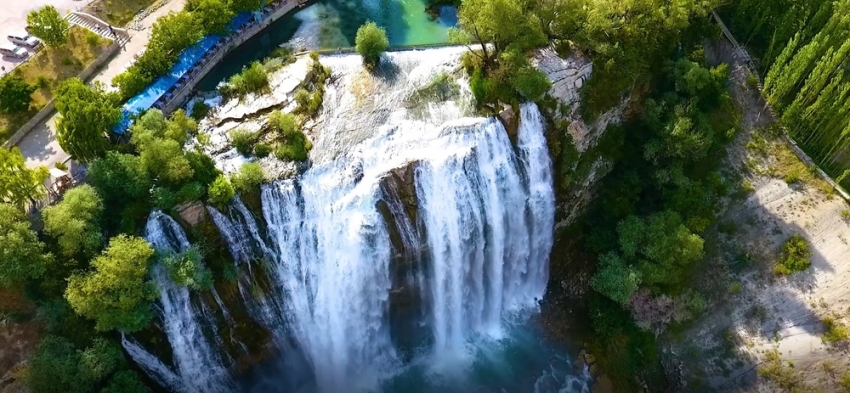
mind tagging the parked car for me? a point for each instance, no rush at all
(13, 51)
(23, 38)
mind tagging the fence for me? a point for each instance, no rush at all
(742, 53)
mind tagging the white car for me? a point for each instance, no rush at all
(13, 51)
(23, 38)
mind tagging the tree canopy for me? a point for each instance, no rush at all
(47, 24)
(22, 255)
(86, 115)
(15, 94)
(115, 292)
(370, 42)
(19, 183)
(75, 221)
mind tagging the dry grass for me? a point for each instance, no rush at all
(49, 66)
(789, 167)
(117, 12)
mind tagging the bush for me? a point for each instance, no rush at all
(294, 149)
(244, 140)
(284, 123)
(220, 191)
(262, 150)
(834, 331)
(15, 94)
(92, 39)
(186, 269)
(795, 256)
(370, 42)
(42, 82)
(200, 110)
(249, 178)
(252, 79)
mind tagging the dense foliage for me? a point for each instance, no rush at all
(22, 256)
(75, 222)
(20, 184)
(806, 79)
(15, 94)
(186, 268)
(253, 78)
(86, 115)
(115, 292)
(47, 24)
(370, 42)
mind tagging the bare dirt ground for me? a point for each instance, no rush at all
(765, 332)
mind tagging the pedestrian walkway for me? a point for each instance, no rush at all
(40, 147)
(99, 27)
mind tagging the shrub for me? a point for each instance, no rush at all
(42, 82)
(370, 42)
(220, 191)
(92, 39)
(15, 94)
(248, 179)
(252, 79)
(200, 110)
(262, 150)
(294, 149)
(186, 269)
(284, 123)
(795, 256)
(61, 166)
(792, 176)
(834, 331)
(244, 140)
(747, 187)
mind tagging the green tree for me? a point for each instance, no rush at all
(22, 255)
(501, 23)
(125, 381)
(245, 5)
(248, 179)
(115, 293)
(186, 268)
(47, 24)
(55, 368)
(663, 246)
(19, 183)
(615, 279)
(15, 94)
(214, 15)
(174, 32)
(86, 116)
(221, 191)
(370, 42)
(75, 221)
(100, 360)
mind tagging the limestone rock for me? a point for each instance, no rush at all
(589, 359)
(192, 213)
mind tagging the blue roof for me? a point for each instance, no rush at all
(186, 61)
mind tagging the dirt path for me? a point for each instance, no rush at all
(757, 312)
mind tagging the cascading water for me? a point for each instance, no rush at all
(407, 259)
(197, 367)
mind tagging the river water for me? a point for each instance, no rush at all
(330, 24)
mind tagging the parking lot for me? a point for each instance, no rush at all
(13, 17)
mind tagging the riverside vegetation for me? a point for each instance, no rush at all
(645, 230)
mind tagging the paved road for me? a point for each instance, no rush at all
(13, 17)
(40, 147)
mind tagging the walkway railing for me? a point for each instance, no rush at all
(742, 54)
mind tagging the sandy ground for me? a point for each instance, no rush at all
(13, 17)
(760, 312)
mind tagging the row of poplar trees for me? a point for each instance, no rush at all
(804, 47)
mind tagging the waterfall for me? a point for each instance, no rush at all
(478, 203)
(198, 368)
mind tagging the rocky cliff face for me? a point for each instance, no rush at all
(578, 166)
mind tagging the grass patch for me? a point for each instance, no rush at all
(50, 66)
(789, 167)
(117, 12)
(795, 256)
(834, 331)
(781, 374)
